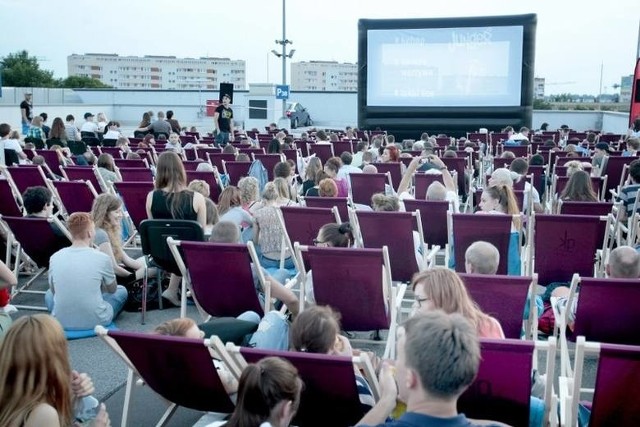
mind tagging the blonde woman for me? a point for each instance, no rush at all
(107, 215)
(37, 385)
(267, 234)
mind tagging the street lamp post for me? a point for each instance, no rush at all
(284, 42)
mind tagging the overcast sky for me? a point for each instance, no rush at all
(573, 37)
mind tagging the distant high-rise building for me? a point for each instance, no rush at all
(158, 72)
(324, 76)
(538, 87)
(625, 88)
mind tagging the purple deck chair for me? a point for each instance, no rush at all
(208, 177)
(422, 181)
(613, 169)
(375, 232)
(27, 176)
(115, 152)
(232, 291)
(190, 165)
(465, 229)
(82, 173)
(502, 297)
(178, 369)
(131, 163)
(209, 153)
(134, 196)
(236, 170)
(329, 382)
(585, 208)
(302, 225)
(9, 203)
(322, 151)
(365, 185)
(340, 147)
(136, 174)
(502, 388)
(459, 165)
(51, 159)
(564, 245)
(36, 238)
(76, 196)
(478, 137)
(269, 161)
(342, 203)
(597, 183)
(351, 282)
(395, 171)
(618, 373)
(433, 214)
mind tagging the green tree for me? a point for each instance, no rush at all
(73, 82)
(541, 104)
(21, 70)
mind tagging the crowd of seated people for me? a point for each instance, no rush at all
(250, 212)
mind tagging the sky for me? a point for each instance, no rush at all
(573, 39)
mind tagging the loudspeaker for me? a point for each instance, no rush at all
(226, 89)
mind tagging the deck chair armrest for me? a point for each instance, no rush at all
(565, 398)
(401, 289)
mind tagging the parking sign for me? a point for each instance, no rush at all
(282, 92)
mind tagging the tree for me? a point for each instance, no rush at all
(21, 70)
(73, 82)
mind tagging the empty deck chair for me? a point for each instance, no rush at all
(329, 382)
(502, 388)
(396, 231)
(136, 174)
(85, 173)
(180, 370)
(394, 169)
(302, 225)
(38, 240)
(504, 298)
(618, 373)
(365, 185)
(76, 196)
(236, 170)
(465, 229)
(563, 245)
(342, 203)
(422, 181)
(356, 283)
(233, 292)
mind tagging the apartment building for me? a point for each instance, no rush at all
(158, 72)
(324, 76)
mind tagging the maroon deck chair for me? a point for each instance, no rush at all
(134, 196)
(302, 225)
(502, 297)
(502, 389)
(208, 177)
(10, 203)
(618, 373)
(136, 174)
(115, 152)
(612, 167)
(499, 162)
(365, 185)
(329, 382)
(596, 183)
(269, 161)
(433, 214)
(291, 154)
(585, 208)
(564, 245)
(82, 173)
(131, 163)
(27, 176)
(236, 170)
(342, 203)
(351, 281)
(465, 229)
(249, 151)
(340, 147)
(395, 171)
(459, 165)
(37, 239)
(52, 160)
(422, 181)
(76, 196)
(190, 154)
(190, 165)
(322, 151)
(206, 153)
(178, 369)
(233, 291)
(394, 230)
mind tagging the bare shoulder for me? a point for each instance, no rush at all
(43, 415)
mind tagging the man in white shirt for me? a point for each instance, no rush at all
(89, 125)
(347, 168)
(9, 144)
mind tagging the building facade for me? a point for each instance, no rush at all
(324, 76)
(538, 87)
(159, 72)
(626, 83)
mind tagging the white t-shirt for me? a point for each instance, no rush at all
(89, 127)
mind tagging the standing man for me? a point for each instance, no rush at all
(26, 111)
(223, 120)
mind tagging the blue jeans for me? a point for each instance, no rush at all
(222, 138)
(272, 333)
(275, 263)
(25, 128)
(115, 300)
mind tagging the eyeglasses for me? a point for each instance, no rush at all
(421, 300)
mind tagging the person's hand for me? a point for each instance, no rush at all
(435, 160)
(81, 384)
(102, 419)
(388, 384)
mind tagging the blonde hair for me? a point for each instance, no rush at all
(382, 203)
(102, 206)
(444, 288)
(34, 369)
(283, 187)
(249, 191)
(175, 327)
(200, 186)
(270, 192)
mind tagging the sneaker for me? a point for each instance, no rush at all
(171, 297)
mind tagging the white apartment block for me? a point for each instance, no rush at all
(324, 76)
(158, 72)
(538, 87)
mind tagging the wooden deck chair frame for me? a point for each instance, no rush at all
(186, 278)
(212, 345)
(395, 295)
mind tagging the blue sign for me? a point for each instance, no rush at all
(282, 92)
